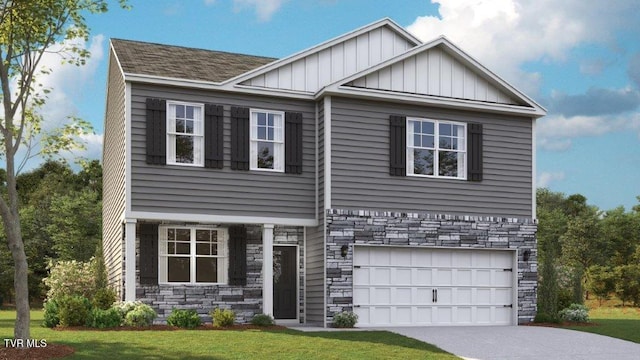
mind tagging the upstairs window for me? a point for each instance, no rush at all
(185, 133)
(267, 140)
(436, 148)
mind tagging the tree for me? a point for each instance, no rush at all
(601, 281)
(28, 30)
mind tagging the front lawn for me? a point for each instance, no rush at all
(228, 344)
(613, 320)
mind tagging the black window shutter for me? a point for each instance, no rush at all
(397, 145)
(474, 152)
(156, 131)
(237, 255)
(239, 138)
(213, 141)
(148, 235)
(293, 143)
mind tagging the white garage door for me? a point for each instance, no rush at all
(426, 286)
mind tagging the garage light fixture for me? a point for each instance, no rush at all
(526, 255)
(344, 250)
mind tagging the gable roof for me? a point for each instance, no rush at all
(440, 73)
(311, 69)
(167, 61)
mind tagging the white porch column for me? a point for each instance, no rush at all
(267, 269)
(130, 260)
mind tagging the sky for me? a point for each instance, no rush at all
(578, 59)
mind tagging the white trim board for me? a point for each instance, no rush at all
(213, 219)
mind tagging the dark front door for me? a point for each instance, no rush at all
(284, 282)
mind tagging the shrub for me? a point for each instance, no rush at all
(188, 319)
(68, 278)
(100, 318)
(73, 310)
(135, 313)
(223, 318)
(104, 298)
(51, 311)
(345, 319)
(575, 313)
(545, 318)
(262, 320)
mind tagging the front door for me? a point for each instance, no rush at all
(285, 282)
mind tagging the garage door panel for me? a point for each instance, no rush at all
(402, 276)
(423, 276)
(502, 278)
(426, 286)
(400, 257)
(361, 276)
(444, 277)
(381, 276)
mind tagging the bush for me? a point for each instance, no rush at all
(51, 311)
(575, 313)
(345, 319)
(546, 318)
(101, 318)
(73, 310)
(136, 313)
(188, 319)
(223, 318)
(69, 278)
(262, 320)
(104, 298)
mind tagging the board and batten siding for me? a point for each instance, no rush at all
(114, 168)
(197, 190)
(434, 72)
(360, 164)
(320, 68)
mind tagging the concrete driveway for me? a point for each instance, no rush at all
(522, 343)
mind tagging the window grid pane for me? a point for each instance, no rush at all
(429, 149)
(204, 265)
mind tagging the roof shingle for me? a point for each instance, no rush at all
(178, 62)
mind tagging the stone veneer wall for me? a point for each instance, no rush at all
(347, 227)
(246, 300)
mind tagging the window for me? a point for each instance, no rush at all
(436, 148)
(185, 129)
(192, 255)
(267, 140)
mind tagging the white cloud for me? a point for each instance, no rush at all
(264, 8)
(66, 82)
(505, 34)
(545, 178)
(555, 132)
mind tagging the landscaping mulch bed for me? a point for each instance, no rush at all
(172, 328)
(51, 351)
(562, 324)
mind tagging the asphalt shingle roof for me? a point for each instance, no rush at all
(179, 62)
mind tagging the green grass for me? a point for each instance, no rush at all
(613, 320)
(228, 344)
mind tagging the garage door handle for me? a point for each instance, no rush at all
(436, 295)
(433, 295)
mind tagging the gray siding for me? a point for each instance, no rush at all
(360, 164)
(114, 163)
(194, 190)
(314, 286)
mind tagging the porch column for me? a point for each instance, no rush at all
(267, 269)
(130, 260)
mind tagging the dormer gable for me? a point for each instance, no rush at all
(310, 70)
(441, 73)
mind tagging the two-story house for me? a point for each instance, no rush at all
(371, 173)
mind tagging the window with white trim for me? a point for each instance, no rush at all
(436, 148)
(192, 255)
(185, 133)
(267, 140)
